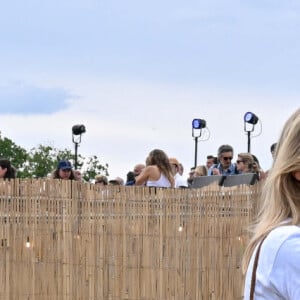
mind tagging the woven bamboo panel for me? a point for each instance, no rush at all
(68, 240)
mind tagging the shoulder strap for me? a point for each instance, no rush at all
(253, 278)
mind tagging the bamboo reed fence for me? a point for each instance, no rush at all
(68, 240)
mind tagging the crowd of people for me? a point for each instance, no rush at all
(160, 170)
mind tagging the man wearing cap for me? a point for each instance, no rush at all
(180, 182)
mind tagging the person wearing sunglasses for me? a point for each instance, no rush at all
(244, 163)
(224, 165)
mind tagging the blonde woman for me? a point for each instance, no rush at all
(158, 171)
(244, 163)
(200, 171)
(272, 258)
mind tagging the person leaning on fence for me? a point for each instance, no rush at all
(191, 176)
(224, 167)
(64, 171)
(211, 160)
(244, 163)
(7, 171)
(180, 181)
(272, 258)
(200, 170)
(130, 179)
(101, 180)
(158, 171)
(138, 168)
(116, 181)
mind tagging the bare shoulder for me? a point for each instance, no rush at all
(151, 168)
(153, 172)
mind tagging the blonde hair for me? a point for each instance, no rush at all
(160, 159)
(200, 171)
(248, 160)
(280, 194)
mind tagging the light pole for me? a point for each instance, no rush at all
(252, 119)
(197, 126)
(77, 131)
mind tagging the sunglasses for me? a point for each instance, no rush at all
(66, 170)
(227, 157)
(239, 161)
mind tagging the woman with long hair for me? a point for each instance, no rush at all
(64, 171)
(158, 171)
(272, 258)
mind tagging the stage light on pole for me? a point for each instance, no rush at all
(77, 131)
(197, 126)
(252, 119)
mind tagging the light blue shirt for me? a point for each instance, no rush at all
(278, 270)
(230, 171)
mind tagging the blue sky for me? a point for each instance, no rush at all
(137, 72)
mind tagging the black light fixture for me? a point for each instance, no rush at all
(252, 119)
(197, 126)
(77, 131)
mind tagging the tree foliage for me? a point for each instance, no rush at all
(42, 160)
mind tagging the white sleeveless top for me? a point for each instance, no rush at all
(163, 181)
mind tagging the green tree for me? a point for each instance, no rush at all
(43, 159)
(17, 155)
(93, 167)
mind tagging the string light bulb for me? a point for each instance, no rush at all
(27, 243)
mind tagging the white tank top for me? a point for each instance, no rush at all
(163, 181)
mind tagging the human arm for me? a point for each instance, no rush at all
(142, 178)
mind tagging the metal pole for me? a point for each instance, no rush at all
(196, 151)
(76, 150)
(248, 133)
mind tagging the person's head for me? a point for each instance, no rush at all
(116, 181)
(157, 157)
(78, 175)
(273, 149)
(130, 176)
(101, 179)
(200, 171)
(160, 159)
(6, 169)
(210, 160)
(244, 162)
(137, 170)
(286, 168)
(256, 165)
(175, 165)
(225, 155)
(64, 170)
(281, 190)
